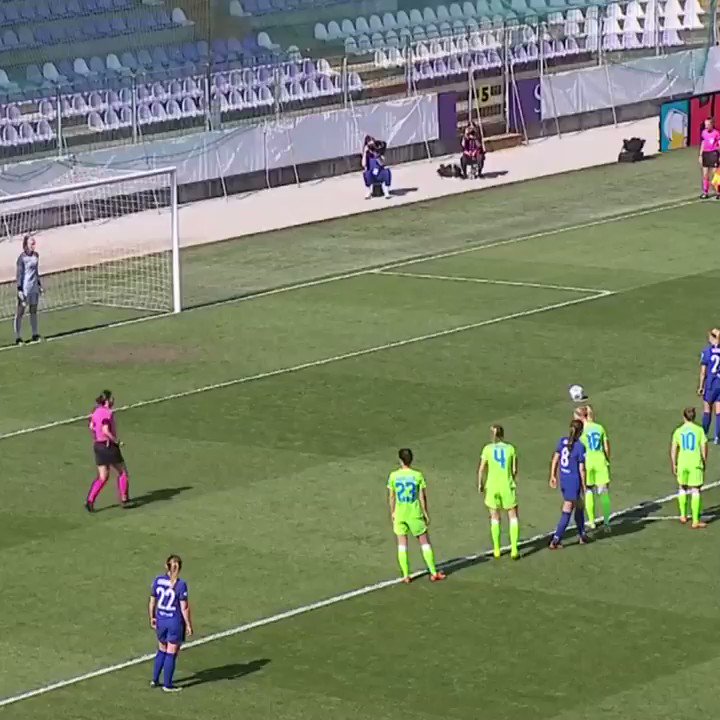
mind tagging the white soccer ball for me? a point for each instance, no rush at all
(577, 393)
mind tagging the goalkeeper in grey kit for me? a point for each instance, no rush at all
(29, 289)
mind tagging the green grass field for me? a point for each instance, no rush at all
(266, 471)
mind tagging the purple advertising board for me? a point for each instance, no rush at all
(524, 104)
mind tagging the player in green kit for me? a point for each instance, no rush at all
(407, 497)
(688, 456)
(597, 465)
(497, 476)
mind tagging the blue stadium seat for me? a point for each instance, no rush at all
(11, 13)
(43, 10)
(43, 36)
(129, 61)
(163, 19)
(148, 22)
(190, 52)
(103, 27)
(26, 37)
(133, 24)
(160, 58)
(57, 34)
(33, 75)
(27, 11)
(118, 26)
(58, 8)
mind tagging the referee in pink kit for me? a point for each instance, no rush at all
(709, 156)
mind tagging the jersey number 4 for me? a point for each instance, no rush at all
(499, 456)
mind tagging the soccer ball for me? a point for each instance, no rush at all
(577, 393)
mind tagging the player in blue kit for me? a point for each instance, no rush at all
(568, 470)
(709, 385)
(169, 613)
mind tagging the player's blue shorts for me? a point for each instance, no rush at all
(170, 631)
(571, 489)
(712, 393)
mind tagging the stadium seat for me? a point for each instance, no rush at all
(389, 22)
(44, 131)
(111, 119)
(403, 20)
(361, 26)
(9, 136)
(320, 32)
(95, 122)
(179, 17)
(173, 110)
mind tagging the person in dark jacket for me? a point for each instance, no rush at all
(473, 151)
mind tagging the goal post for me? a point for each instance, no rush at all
(108, 241)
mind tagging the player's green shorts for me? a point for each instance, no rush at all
(690, 476)
(597, 474)
(501, 496)
(410, 526)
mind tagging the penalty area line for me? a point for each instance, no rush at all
(381, 268)
(317, 363)
(304, 609)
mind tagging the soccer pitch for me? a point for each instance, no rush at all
(260, 432)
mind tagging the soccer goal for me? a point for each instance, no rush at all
(110, 242)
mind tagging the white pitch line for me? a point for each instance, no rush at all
(417, 259)
(488, 281)
(316, 363)
(674, 518)
(303, 609)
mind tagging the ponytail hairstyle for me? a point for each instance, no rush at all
(689, 414)
(576, 429)
(26, 242)
(498, 433)
(589, 413)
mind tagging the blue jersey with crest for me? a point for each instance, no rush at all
(570, 460)
(710, 358)
(168, 598)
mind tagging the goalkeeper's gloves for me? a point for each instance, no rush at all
(21, 297)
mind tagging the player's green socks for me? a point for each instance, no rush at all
(429, 558)
(605, 500)
(495, 535)
(682, 503)
(695, 506)
(514, 536)
(590, 507)
(403, 561)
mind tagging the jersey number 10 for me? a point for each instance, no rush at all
(688, 441)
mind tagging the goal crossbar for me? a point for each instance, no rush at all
(125, 191)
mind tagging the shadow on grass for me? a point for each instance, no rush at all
(160, 495)
(232, 671)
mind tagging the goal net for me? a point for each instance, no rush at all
(103, 243)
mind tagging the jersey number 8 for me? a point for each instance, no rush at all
(564, 457)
